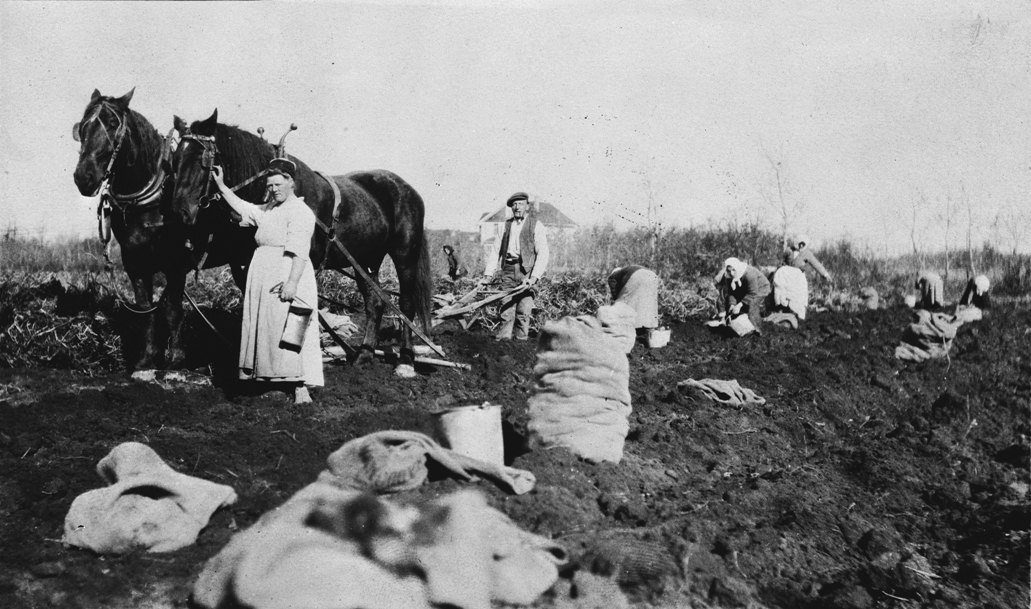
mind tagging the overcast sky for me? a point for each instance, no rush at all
(600, 108)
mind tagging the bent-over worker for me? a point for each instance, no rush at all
(638, 288)
(521, 260)
(799, 255)
(931, 289)
(790, 285)
(744, 289)
(976, 293)
(280, 274)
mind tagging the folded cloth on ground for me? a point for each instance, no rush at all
(968, 313)
(148, 505)
(782, 318)
(618, 322)
(791, 290)
(581, 397)
(929, 337)
(392, 461)
(641, 293)
(724, 392)
(328, 548)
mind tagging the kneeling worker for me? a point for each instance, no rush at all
(744, 288)
(521, 261)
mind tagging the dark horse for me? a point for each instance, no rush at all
(124, 159)
(379, 214)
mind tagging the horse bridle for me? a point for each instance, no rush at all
(208, 159)
(144, 198)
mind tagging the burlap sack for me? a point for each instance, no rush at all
(581, 398)
(328, 548)
(929, 337)
(148, 505)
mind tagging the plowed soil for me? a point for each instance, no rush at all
(862, 482)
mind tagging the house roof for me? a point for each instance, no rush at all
(548, 214)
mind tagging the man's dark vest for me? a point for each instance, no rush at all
(527, 245)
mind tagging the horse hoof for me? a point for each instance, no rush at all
(405, 371)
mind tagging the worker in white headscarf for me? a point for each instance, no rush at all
(744, 289)
(976, 293)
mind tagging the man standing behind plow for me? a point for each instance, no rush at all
(521, 261)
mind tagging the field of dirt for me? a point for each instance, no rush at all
(862, 482)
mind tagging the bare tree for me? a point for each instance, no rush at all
(779, 194)
(1016, 221)
(972, 267)
(916, 206)
(947, 216)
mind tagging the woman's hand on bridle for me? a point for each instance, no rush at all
(216, 175)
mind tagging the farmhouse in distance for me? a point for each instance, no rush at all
(492, 224)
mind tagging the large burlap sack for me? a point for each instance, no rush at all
(618, 321)
(581, 397)
(929, 337)
(328, 548)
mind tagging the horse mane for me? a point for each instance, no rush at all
(243, 155)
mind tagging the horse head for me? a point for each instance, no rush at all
(102, 136)
(191, 164)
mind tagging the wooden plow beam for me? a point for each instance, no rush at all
(463, 306)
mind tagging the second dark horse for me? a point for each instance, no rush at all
(379, 214)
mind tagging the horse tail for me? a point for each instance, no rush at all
(424, 285)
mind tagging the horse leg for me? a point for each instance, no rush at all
(406, 278)
(373, 316)
(239, 272)
(172, 299)
(143, 290)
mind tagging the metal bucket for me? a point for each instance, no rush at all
(297, 320)
(473, 431)
(657, 338)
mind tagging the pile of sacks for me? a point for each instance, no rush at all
(581, 397)
(330, 548)
(929, 337)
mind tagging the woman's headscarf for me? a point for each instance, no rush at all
(739, 267)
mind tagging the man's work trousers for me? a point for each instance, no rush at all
(515, 315)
